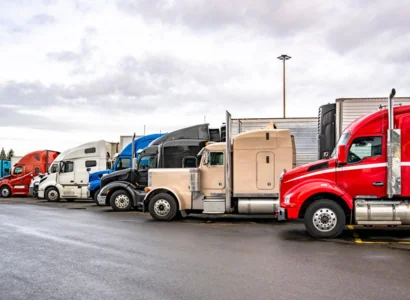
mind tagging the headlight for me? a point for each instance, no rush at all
(287, 198)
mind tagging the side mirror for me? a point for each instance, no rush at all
(341, 155)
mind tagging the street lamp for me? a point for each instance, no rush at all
(284, 57)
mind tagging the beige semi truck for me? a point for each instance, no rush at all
(239, 176)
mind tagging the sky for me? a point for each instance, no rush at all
(78, 71)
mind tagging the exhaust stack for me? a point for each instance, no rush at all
(228, 204)
(133, 153)
(393, 152)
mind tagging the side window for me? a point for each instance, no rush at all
(53, 168)
(36, 171)
(90, 163)
(67, 167)
(18, 170)
(123, 163)
(90, 150)
(147, 162)
(37, 157)
(189, 162)
(216, 158)
(363, 147)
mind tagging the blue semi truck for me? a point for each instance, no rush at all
(123, 161)
(5, 167)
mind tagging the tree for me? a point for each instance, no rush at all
(3, 154)
(10, 154)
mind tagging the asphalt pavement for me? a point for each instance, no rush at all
(81, 251)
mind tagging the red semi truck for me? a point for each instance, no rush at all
(30, 165)
(366, 180)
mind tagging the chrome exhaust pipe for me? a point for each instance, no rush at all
(390, 108)
(228, 203)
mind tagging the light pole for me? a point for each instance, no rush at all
(284, 57)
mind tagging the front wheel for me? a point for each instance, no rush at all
(5, 192)
(325, 219)
(163, 207)
(52, 194)
(121, 201)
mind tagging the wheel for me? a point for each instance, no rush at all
(95, 195)
(5, 191)
(121, 201)
(325, 219)
(52, 194)
(163, 207)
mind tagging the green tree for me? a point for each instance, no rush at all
(10, 154)
(3, 154)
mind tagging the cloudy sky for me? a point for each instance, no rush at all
(74, 71)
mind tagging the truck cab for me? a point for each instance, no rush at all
(68, 175)
(124, 189)
(5, 167)
(238, 176)
(364, 181)
(30, 165)
(122, 161)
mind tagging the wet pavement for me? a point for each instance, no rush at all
(77, 250)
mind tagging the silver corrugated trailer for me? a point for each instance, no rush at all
(349, 109)
(304, 131)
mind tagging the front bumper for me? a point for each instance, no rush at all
(40, 194)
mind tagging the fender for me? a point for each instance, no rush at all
(151, 193)
(120, 185)
(301, 192)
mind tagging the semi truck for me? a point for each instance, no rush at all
(122, 161)
(237, 176)
(363, 182)
(5, 166)
(124, 189)
(30, 165)
(68, 176)
(333, 118)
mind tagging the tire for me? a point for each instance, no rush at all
(163, 207)
(121, 201)
(5, 192)
(325, 219)
(95, 195)
(52, 195)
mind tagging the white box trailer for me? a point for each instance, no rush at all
(304, 131)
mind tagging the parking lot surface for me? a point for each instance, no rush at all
(82, 251)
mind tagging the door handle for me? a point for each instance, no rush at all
(71, 180)
(378, 183)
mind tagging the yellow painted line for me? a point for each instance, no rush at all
(357, 239)
(384, 243)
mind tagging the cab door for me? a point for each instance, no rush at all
(365, 174)
(66, 179)
(213, 174)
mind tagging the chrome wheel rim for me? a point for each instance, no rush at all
(52, 195)
(162, 207)
(122, 201)
(5, 192)
(324, 219)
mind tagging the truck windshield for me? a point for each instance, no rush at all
(53, 168)
(123, 163)
(146, 162)
(342, 141)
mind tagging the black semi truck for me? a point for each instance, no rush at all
(124, 190)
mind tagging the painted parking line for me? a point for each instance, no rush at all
(359, 240)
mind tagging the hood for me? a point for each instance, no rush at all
(98, 175)
(5, 178)
(309, 168)
(121, 175)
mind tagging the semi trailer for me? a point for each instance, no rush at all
(237, 176)
(333, 118)
(29, 166)
(124, 190)
(122, 161)
(363, 182)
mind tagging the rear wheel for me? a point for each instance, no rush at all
(121, 201)
(5, 191)
(52, 194)
(163, 207)
(325, 219)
